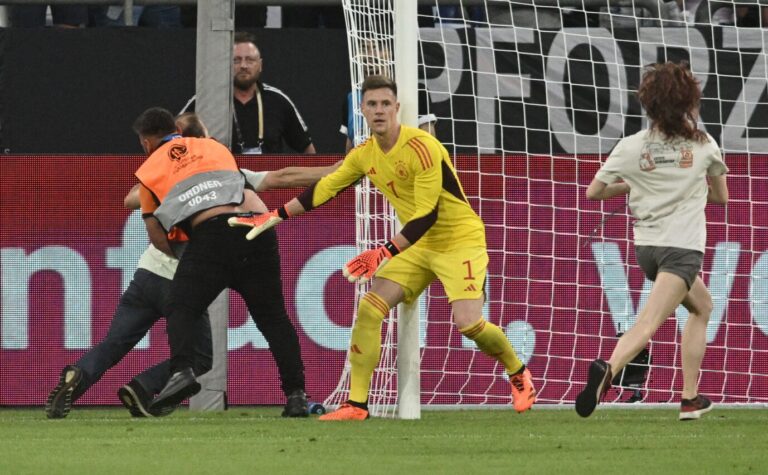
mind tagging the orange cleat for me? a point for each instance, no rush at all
(523, 392)
(347, 412)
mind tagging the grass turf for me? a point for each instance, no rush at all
(258, 440)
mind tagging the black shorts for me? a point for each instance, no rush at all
(684, 263)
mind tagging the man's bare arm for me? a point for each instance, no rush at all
(158, 236)
(295, 177)
(131, 200)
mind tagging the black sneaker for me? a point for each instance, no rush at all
(59, 401)
(137, 400)
(180, 386)
(598, 383)
(297, 405)
(692, 409)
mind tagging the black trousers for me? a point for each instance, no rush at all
(142, 304)
(218, 256)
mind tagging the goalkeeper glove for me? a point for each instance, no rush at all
(362, 268)
(259, 222)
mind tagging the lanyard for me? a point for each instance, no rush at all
(169, 137)
(260, 105)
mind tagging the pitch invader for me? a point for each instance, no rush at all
(442, 237)
(670, 171)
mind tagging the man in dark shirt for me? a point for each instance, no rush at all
(282, 127)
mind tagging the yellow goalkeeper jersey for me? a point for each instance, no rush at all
(416, 176)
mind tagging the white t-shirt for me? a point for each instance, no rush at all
(668, 186)
(158, 262)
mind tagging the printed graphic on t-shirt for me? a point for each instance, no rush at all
(686, 156)
(655, 155)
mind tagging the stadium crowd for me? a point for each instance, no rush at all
(680, 12)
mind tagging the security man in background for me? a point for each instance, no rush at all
(265, 120)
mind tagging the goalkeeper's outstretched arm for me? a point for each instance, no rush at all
(261, 222)
(345, 174)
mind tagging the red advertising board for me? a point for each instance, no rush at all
(69, 248)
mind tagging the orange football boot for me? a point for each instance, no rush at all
(346, 412)
(523, 392)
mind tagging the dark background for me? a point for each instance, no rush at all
(79, 91)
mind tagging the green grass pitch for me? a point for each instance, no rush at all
(258, 440)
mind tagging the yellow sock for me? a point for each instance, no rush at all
(365, 346)
(492, 341)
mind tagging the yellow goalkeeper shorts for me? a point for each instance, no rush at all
(461, 271)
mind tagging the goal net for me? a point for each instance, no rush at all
(530, 100)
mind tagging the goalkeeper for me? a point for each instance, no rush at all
(442, 238)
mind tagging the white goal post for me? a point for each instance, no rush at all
(530, 98)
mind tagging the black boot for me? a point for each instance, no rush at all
(296, 406)
(181, 386)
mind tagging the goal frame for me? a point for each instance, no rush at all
(408, 373)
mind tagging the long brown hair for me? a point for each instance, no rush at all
(670, 96)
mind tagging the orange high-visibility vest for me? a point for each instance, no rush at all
(188, 175)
